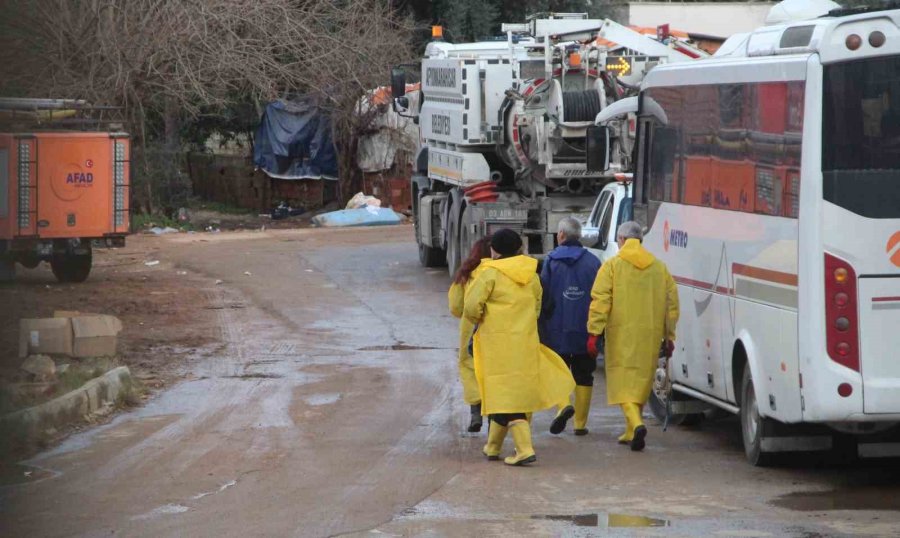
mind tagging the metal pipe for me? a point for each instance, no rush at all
(13, 103)
(708, 399)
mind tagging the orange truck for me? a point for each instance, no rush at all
(64, 189)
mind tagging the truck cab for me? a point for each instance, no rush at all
(613, 206)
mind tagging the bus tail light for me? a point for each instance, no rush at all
(841, 318)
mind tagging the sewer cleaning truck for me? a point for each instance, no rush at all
(504, 124)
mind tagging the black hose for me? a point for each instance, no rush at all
(581, 106)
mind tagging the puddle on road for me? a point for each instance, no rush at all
(254, 376)
(322, 399)
(606, 520)
(13, 474)
(168, 509)
(396, 347)
(848, 499)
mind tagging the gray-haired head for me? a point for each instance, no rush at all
(630, 230)
(570, 228)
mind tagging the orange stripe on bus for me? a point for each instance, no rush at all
(759, 273)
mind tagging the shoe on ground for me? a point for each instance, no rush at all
(638, 443)
(559, 423)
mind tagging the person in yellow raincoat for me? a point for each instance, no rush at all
(516, 374)
(635, 301)
(462, 281)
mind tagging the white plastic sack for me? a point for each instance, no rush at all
(362, 200)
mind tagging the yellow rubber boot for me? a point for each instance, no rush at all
(582, 407)
(626, 437)
(635, 426)
(496, 435)
(521, 434)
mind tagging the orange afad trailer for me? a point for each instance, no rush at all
(62, 194)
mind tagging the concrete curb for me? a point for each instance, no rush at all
(28, 424)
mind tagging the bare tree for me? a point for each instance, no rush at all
(166, 60)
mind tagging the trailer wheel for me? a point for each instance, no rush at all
(71, 267)
(753, 426)
(7, 270)
(29, 260)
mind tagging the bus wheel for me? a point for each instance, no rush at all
(753, 426)
(72, 267)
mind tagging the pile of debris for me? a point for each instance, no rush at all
(60, 354)
(361, 210)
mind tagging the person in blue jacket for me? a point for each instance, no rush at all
(567, 275)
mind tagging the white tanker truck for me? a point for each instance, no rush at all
(503, 128)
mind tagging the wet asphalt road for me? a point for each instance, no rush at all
(334, 409)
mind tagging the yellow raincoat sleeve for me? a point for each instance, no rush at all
(672, 308)
(538, 292)
(476, 297)
(456, 299)
(601, 300)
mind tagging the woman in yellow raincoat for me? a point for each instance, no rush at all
(462, 281)
(635, 300)
(516, 374)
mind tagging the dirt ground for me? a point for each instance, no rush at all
(167, 313)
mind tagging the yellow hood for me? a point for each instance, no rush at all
(521, 269)
(635, 254)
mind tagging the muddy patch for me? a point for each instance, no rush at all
(879, 498)
(606, 520)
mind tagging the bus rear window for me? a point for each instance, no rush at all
(861, 136)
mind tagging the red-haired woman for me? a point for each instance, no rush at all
(461, 281)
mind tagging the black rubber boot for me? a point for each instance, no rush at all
(475, 421)
(638, 443)
(559, 423)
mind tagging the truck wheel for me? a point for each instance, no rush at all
(454, 258)
(71, 267)
(431, 257)
(753, 426)
(7, 270)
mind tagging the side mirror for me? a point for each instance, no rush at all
(398, 82)
(597, 148)
(590, 236)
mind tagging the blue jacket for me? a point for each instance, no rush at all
(567, 276)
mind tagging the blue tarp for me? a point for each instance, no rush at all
(364, 216)
(294, 141)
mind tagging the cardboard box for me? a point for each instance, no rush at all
(93, 335)
(46, 336)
